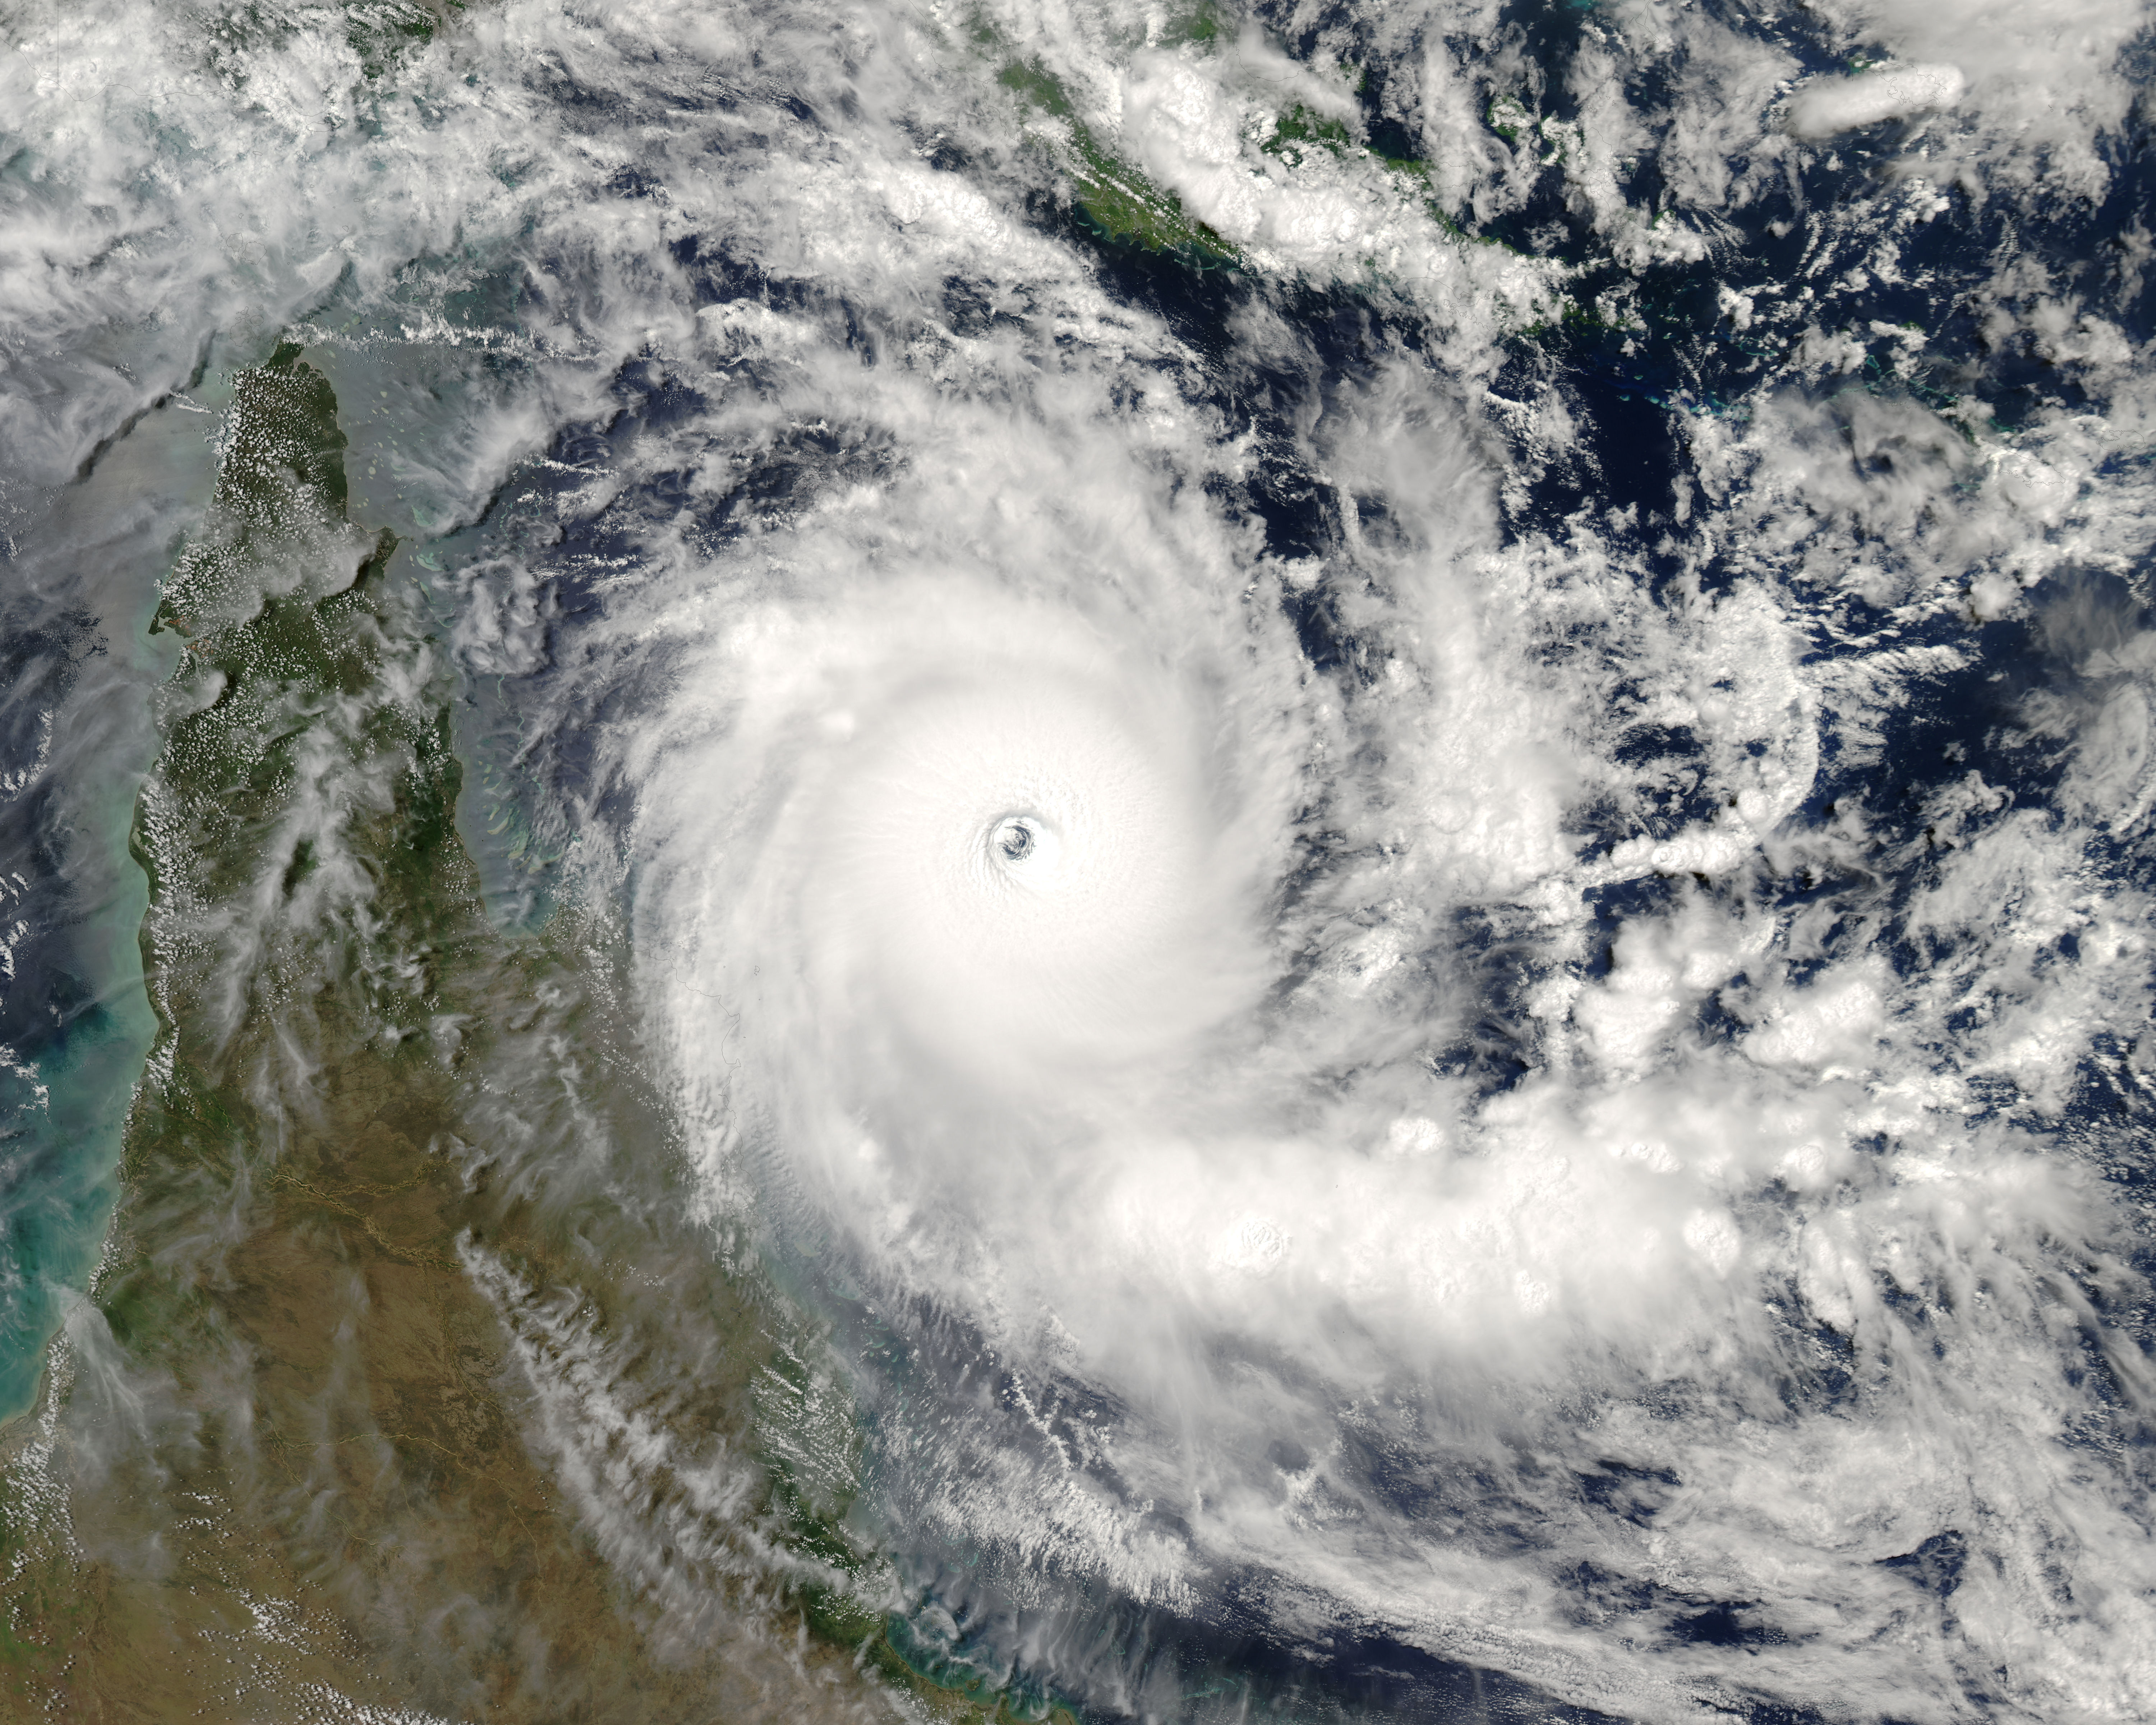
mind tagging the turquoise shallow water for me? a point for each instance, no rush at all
(77, 734)
(64, 1140)
(1557, 1103)
(64, 1095)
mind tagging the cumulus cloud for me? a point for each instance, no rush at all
(1828, 106)
(1373, 1034)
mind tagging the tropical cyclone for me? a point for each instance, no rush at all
(1168, 859)
(983, 870)
(1003, 984)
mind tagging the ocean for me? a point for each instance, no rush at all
(1095, 862)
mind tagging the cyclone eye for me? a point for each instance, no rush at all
(1016, 838)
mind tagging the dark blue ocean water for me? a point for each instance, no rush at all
(1648, 395)
(1634, 395)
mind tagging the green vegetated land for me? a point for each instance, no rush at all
(295, 1451)
(1118, 202)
